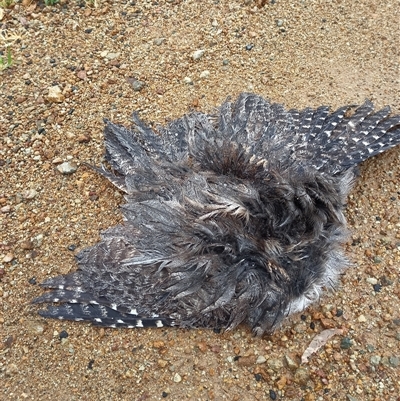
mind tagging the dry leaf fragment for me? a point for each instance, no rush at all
(318, 342)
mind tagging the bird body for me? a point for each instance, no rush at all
(235, 217)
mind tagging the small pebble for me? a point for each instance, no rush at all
(272, 395)
(372, 280)
(112, 56)
(35, 328)
(63, 334)
(258, 377)
(82, 75)
(187, 80)
(394, 361)
(261, 359)
(8, 258)
(291, 363)
(162, 363)
(275, 364)
(362, 319)
(6, 209)
(346, 343)
(27, 245)
(384, 281)
(20, 99)
(249, 46)
(205, 74)
(370, 348)
(301, 376)
(137, 85)
(375, 360)
(55, 95)
(83, 138)
(198, 54)
(339, 312)
(385, 361)
(67, 168)
(57, 160)
(177, 378)
(29, 193)
(246, 360)
(377, 287)
(279, 22)
(9, 341)
(158, 41)
(39, 239)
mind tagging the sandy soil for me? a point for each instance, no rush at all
(122, 56)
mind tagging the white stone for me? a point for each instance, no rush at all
(177, 378)
(67, 167)
(261, 359)
(362, 319)
(205, 74)
(198, 54)
(55, 94)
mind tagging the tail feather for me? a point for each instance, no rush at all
(342, 142)
(69, 281)
(100, 315)
(72, 296)
(333, 125)
(361, 113)
(319, 119)
(369, 125)
(380, 139)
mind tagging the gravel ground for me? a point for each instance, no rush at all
(77, 63)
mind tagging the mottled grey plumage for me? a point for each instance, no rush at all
(230, 218)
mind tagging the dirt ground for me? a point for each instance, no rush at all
(74, 64)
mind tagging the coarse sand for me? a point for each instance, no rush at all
(78, 62)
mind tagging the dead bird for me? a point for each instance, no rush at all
(234, 217)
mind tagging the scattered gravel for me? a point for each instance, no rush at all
(76, 65)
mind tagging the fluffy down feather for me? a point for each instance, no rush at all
(230, 218)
